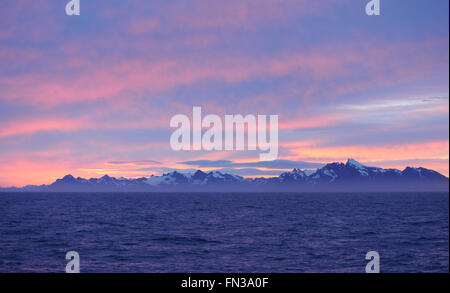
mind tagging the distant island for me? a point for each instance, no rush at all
(334, 177)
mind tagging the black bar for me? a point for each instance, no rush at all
(274, 281)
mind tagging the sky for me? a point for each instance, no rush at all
(94, 94)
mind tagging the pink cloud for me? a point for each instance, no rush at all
(15, 128)
(97, 81)
(143, 26)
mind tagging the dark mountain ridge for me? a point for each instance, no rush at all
(334, 177)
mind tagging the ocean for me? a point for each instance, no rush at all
(224, 232)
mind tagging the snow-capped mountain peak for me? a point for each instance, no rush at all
(294, 175)
(355, 164)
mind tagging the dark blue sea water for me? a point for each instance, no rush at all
(137, 232)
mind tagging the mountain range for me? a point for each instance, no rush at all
(351, 176)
